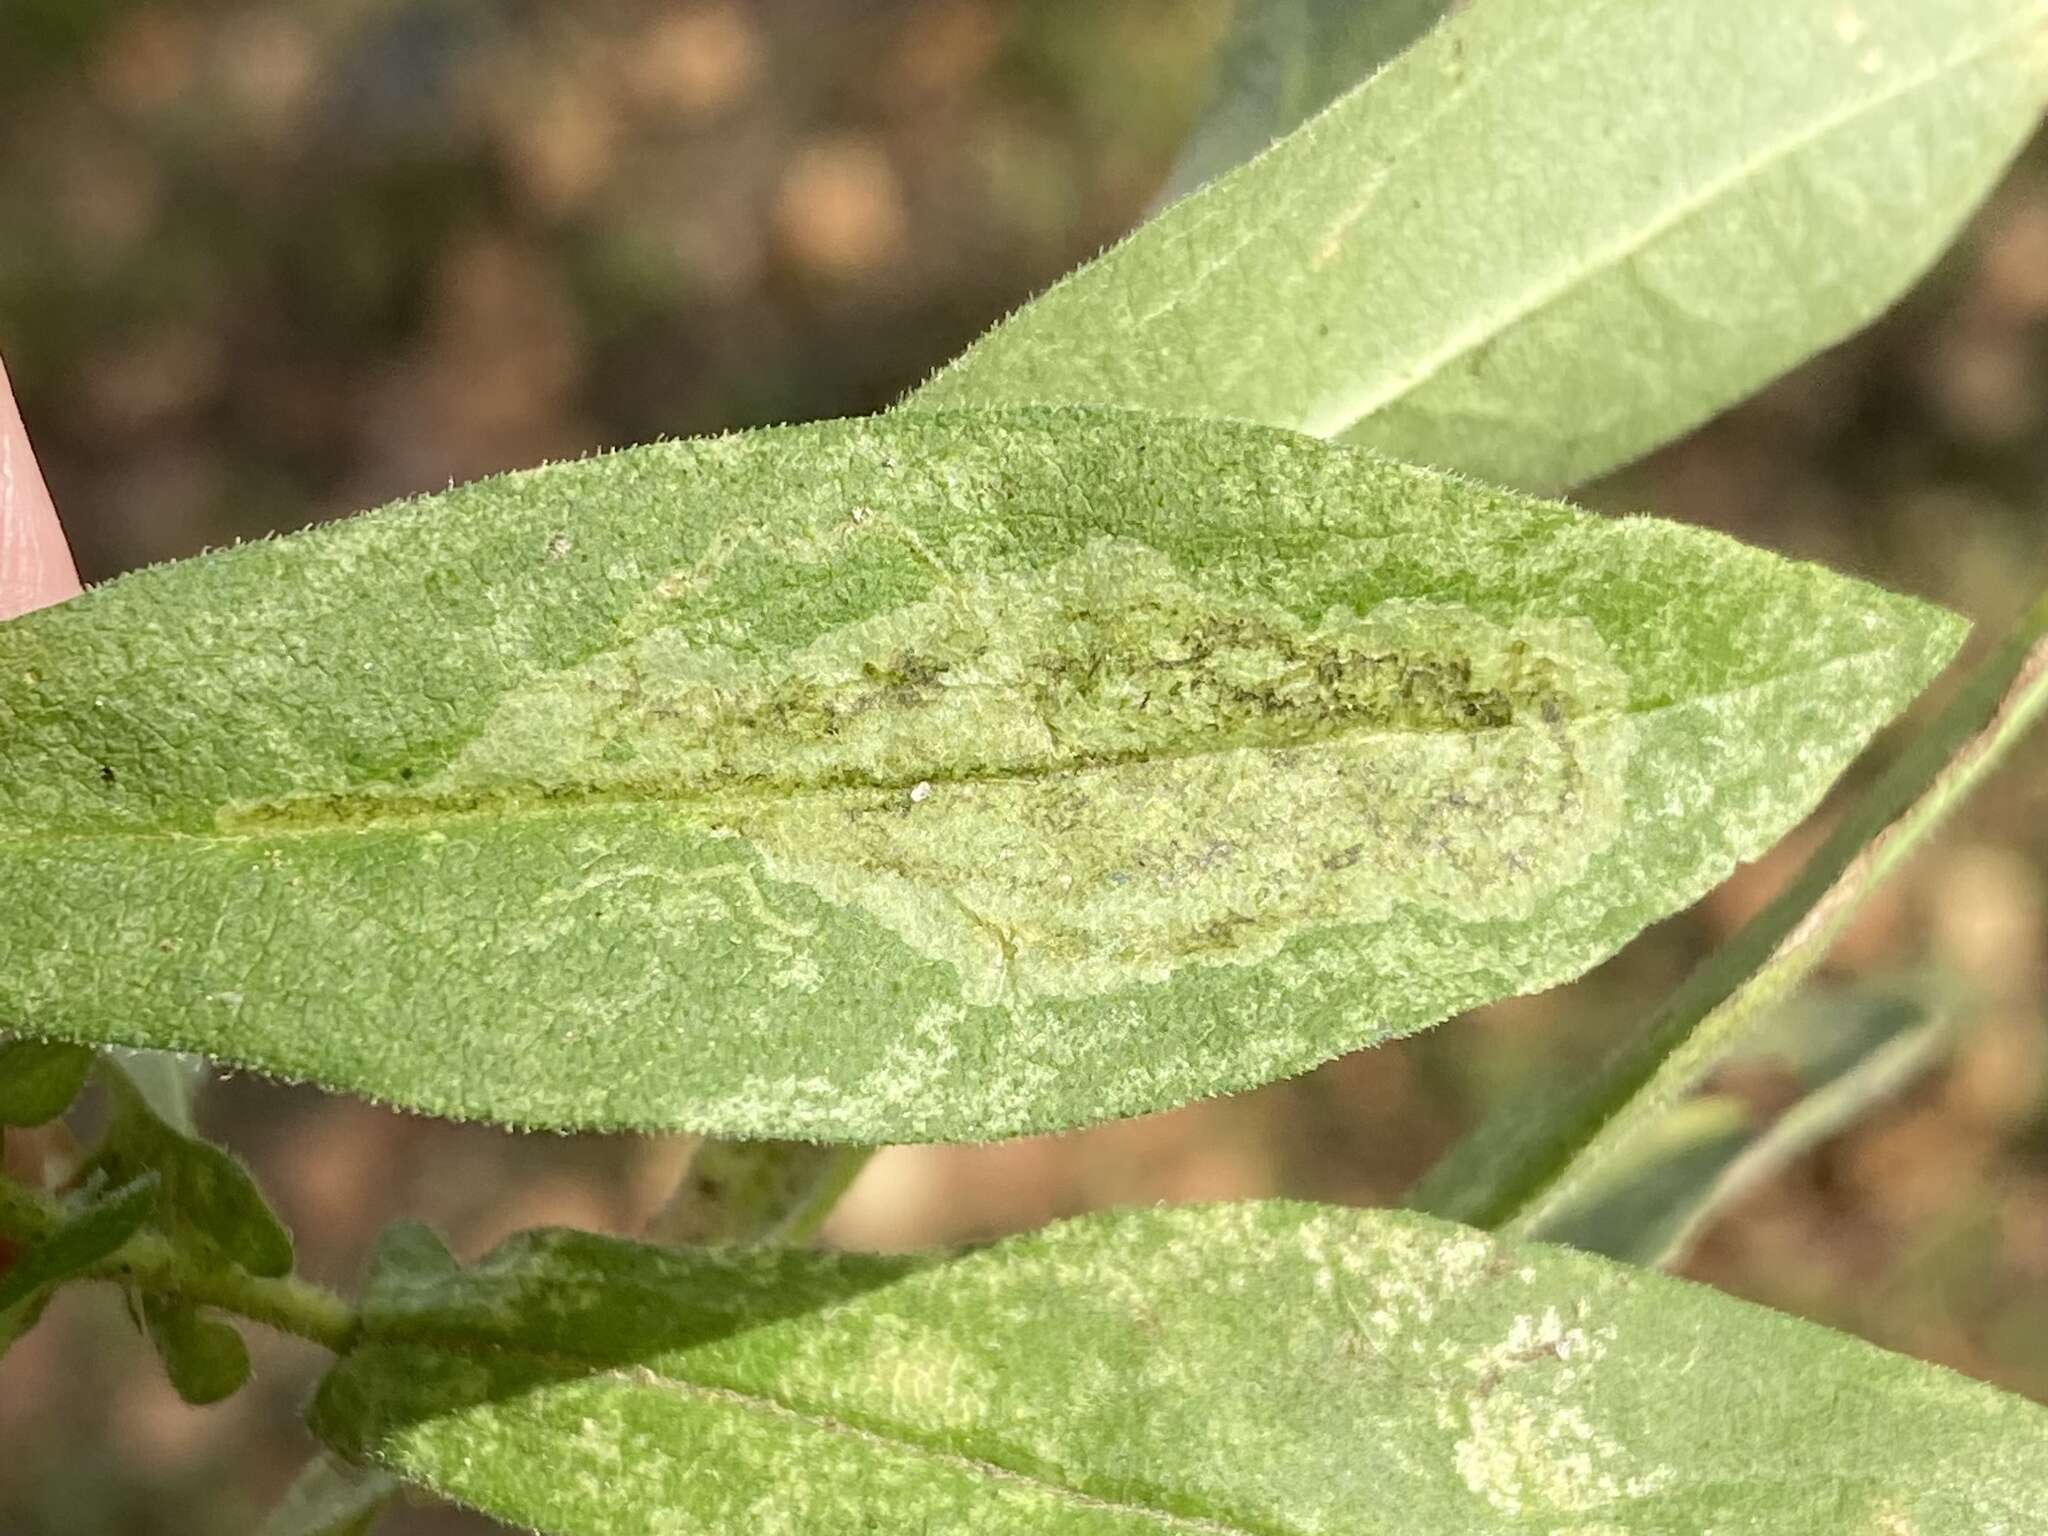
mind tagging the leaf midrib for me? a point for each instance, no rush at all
(1336, 420)
(528, 802)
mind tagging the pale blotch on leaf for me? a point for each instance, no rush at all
(1529, 1443)
(1070, 780)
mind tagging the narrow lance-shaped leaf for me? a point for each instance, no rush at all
(1284, 61)
(1843, 1053)
(943, 776)
(1553, 234)
(1124, 1374)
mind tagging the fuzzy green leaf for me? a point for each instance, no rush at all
(1553, 234)
(1232, 1371)
(204, 1356)
(934, 777)
(92, 1230)
(38, 1081)
(1283, 62)
(210, 1203)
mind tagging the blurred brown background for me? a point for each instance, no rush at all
(264, 263)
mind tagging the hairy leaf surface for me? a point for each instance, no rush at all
(936, 777)
(1553, 234)
(1124, 1374)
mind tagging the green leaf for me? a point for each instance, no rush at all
(204, 1356)
(210, 1203)
(931, 778)
(38, 1081)
(91, 1231)
(1843, 1053)
(332, 1498)
(1284, 61)
(1553, 234)
(1243, 1369)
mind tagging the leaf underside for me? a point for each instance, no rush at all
(936, 777)
(1552, 235)
(1123, 1373)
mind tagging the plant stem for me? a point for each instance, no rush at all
(756, 1193)
(152, 1262)
(1517, 1167)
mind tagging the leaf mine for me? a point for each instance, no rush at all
(936, 776)
(1068, 781)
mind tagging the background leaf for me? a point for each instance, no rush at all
(1552, 235)
(936, 777)
(1843, 1052)
(1284, 61)
(332, 1498)
(1124, 1373)
(169, 1085)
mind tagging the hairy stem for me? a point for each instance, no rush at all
(756, 1193)
(150, 1261)
(1517, 1167)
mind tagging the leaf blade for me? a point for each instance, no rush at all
(1120, 1373)
(1585, 229)
(476, 765)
